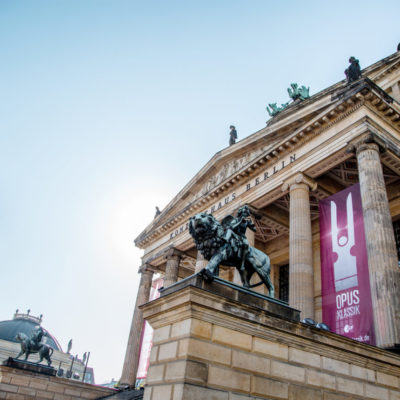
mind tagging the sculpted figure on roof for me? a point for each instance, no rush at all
(297, 92)
(354, 71)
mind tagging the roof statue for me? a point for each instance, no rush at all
(232, 135)
(297, 92)
(275, 109)
(225, 243)
(398, 47)
(353, 73)
(158, 212)
(34, 345)
(69, 346)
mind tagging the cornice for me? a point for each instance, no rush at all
(395, 65)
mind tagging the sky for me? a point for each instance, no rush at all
(108, 108)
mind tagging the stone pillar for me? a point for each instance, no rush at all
(381, 247)
(132, 354)
(172, 267)
(201, 262)
(251, 237)
(301, 272)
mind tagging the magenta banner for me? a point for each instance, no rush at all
(346, 296)
(147, 337)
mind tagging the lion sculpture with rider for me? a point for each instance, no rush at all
(225, 243)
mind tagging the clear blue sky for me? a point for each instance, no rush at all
(108, 108)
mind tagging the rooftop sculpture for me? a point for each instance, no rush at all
(353, 73)
(158, 212)
(275, 109)
(295, 93)
(232, 135)
(225, 243)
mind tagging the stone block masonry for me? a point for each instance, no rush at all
(209, 345)
(18, 384)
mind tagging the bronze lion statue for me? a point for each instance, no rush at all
(223, 244)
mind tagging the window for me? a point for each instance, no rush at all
(284, 283)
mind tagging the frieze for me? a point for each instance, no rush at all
(228, 170)
(265, 175)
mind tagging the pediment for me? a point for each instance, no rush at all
(274, 142)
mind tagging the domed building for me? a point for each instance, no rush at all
(67, 365)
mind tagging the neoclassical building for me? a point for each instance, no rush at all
(348, 133)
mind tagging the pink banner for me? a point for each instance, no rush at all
(147, 337)
(346, 296)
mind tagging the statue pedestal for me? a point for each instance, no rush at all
(29, 366)
(220, 341)
(234, 292)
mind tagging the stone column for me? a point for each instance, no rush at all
(201, 263)
(301, 272)
(172, 267)
(251, 237)
(132, 354)
(381, 247)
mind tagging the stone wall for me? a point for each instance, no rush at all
(231, 345)
(17, 384)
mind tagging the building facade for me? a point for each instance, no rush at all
(346, 134)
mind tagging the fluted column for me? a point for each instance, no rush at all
(381, 247)
(129, 370)
(201, 262)
(301, 272)
(172, 267)
(251, 237)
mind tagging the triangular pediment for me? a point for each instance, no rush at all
(281, 134)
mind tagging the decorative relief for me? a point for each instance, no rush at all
(228, 170)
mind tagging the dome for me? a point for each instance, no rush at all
(25, 323)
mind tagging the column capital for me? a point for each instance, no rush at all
(146, 268)
(297, 179)
(173, 253)
(370, 141)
